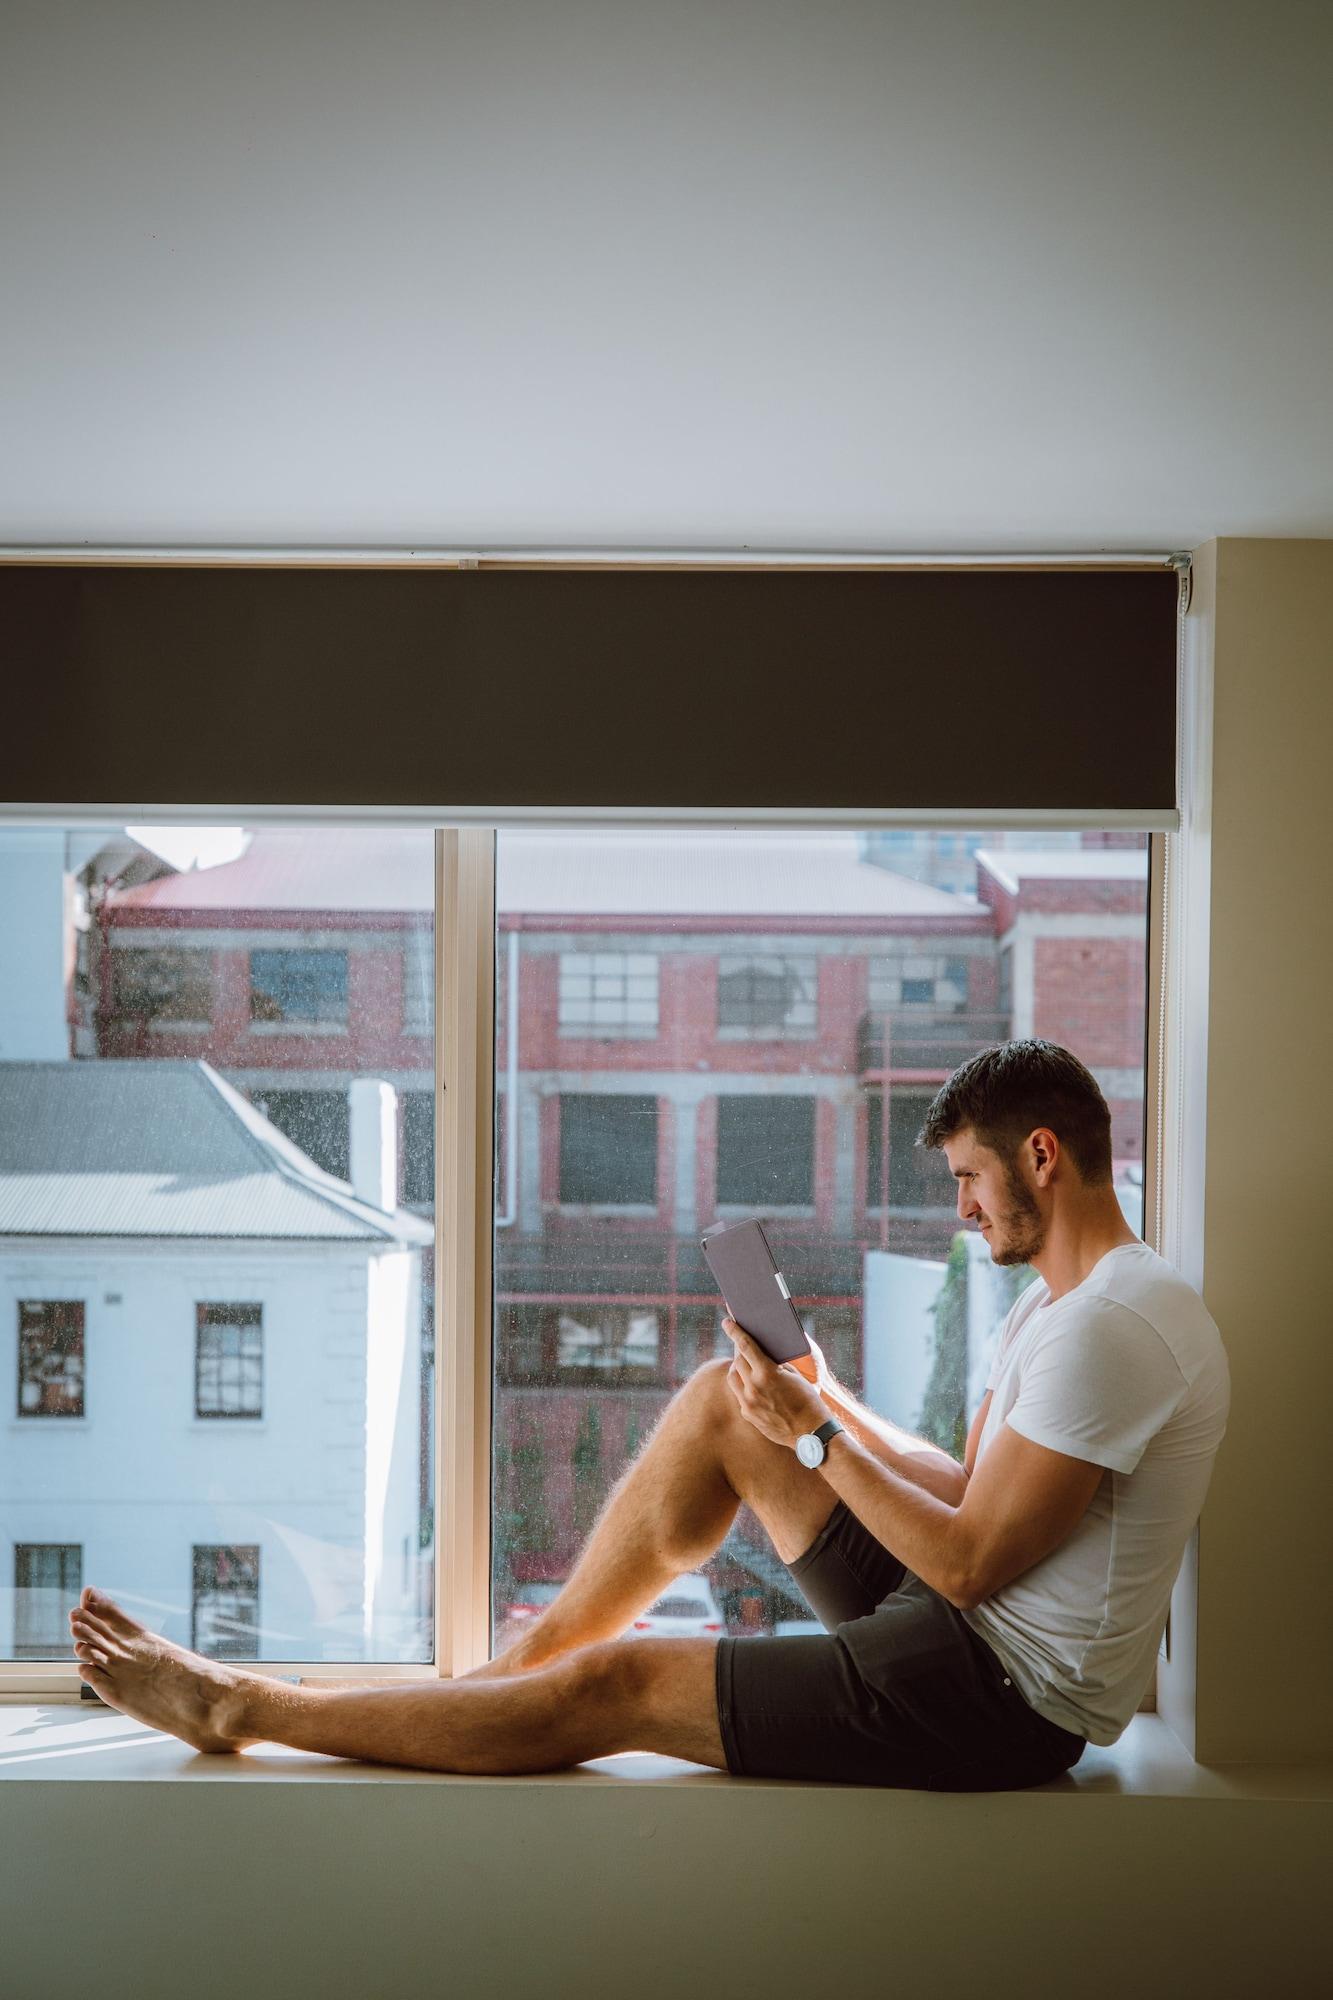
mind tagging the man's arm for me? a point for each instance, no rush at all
(1021, 1503)
(910, 1457)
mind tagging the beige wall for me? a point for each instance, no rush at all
(1261, 1121)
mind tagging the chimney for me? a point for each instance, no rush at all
(374, 1141)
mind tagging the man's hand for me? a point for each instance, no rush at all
(778, 1402)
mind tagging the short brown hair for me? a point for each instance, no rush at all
(1006, 1092)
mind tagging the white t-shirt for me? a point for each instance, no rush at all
(1127, 1371)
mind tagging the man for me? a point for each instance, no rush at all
(984, 1621)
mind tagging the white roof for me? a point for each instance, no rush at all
(780, 875)
(1011, 865)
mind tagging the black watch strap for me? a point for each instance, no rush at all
(828, 1430)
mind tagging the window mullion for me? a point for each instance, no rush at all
(465, 1074)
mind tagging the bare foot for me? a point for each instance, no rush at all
(146, 1677)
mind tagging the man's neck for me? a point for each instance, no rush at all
(1078, 1240)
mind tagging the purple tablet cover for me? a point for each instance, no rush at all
(754, 1290)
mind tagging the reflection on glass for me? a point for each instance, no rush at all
(216, 1181)
(709, 1026)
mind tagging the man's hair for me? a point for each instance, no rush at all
(1005, 1093)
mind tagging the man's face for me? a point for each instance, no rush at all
(993, 1194)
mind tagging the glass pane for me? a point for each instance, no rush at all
(216, 1189)
(799, 984)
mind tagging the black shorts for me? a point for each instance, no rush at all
(898, 1690)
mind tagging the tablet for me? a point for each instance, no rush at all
(755, 1292)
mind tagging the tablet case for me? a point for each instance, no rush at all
(754, 1289)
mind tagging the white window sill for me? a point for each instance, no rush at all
(69, 1742)
(48, 1423)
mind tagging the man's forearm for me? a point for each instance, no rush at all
(922, 1529)
(925, 1465)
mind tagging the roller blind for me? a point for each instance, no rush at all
(1032, 691)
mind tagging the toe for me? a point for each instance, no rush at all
(91, 1654)
(85, 1625)
(107, 1610)
(101, 1683)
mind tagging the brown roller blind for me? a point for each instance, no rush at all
(984, 689)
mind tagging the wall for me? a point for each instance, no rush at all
(596, 1889)
(1264, 611)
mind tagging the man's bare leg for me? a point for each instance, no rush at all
(668, 1514)
(602, 1699)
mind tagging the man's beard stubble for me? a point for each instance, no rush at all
(1019, 1224)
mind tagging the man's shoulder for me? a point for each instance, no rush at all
(1139, 1301)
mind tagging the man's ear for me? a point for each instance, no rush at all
(1044, 1154)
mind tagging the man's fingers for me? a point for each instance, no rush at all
(748, 1352)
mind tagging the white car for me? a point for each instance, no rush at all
(687, 1609)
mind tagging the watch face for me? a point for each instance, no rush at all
(809, 1450)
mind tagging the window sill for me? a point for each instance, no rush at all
(66, 1741)
(588, 1881)
(310, 1029)
(49, 1423)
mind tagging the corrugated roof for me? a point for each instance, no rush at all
(572, 874)
(163, 1149)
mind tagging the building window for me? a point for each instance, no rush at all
(318, 1121)
(224, 1621)
(51, 1357)
(48, 1577)
(765, 1151)
(419, 1148)
(229, 1361)
(918, 1177)
(170, 984)
(608, 993)
(608, 1150)
(302, 988)
(618, 1341)
(419, 983)
(917, 979)
(766, 996)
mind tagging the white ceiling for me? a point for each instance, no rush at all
(702, 273)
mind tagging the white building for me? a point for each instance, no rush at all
(213, 1355)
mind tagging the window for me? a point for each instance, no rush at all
(48, 1577)
(608, 993)
(302, 988)
(767, 995)
(224, 1620)
(918, 979)
(765, 1151)
(763, 1098)
(419, 983)
(170, 984)
(608, 1150)
(51, 1357)
(229, 1361)
(258, 1341)
(318, 1121)
(608, 1340)
(918, 1178)
(622, 1148)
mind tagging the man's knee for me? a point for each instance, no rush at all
(613, 1676)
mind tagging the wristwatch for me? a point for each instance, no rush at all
(812, 1449)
